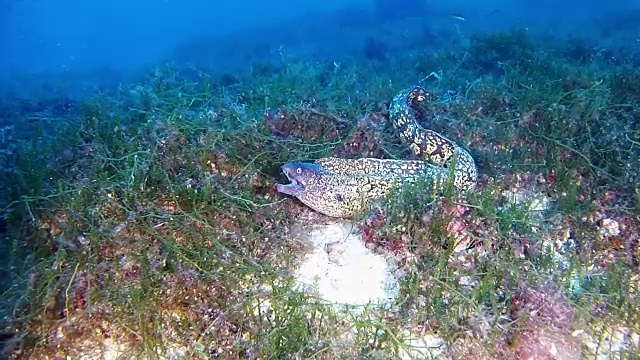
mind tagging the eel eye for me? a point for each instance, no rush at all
(299, 170)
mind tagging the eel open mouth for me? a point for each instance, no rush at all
(296, 186)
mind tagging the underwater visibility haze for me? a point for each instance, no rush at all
(364, 179)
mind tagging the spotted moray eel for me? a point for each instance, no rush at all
(345, 188)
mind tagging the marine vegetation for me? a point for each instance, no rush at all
(144, 221)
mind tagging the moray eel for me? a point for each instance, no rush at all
(346, 187)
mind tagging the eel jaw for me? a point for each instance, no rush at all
(296, 187)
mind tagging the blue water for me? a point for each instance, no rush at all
(122, 37)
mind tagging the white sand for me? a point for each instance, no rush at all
(342, 270)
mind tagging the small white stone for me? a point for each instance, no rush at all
(609, 228)
(428, 346)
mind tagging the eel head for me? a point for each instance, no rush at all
(302, 177)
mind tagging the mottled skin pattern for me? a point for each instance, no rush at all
(346, 187)
(330, 193)
(372, 166)
(340, 191)
(428, 144)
